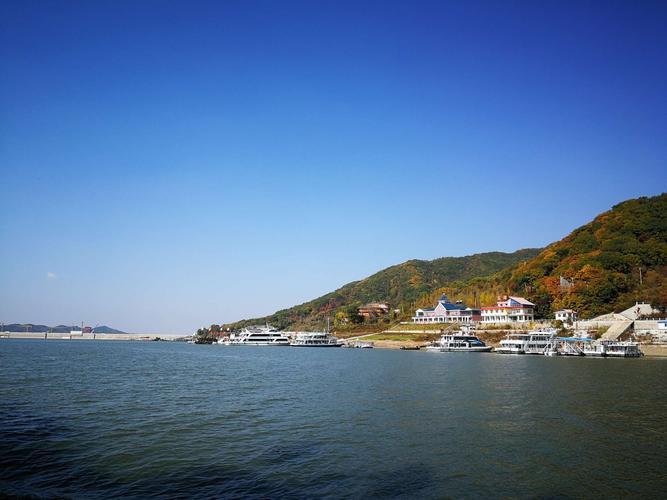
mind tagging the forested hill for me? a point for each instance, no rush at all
(400, 285)
(601, 262)
(594, 270)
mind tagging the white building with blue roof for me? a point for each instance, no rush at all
(447, 312)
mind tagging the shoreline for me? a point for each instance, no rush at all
(649, 350)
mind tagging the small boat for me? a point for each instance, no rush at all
(410, 348)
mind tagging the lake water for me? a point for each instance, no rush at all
(138, 419)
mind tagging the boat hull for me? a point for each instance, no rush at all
(459, 349)
(613, 355)
(260, 344)
(321, 345)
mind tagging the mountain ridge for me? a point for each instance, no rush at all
(22, 327)
(400, 285)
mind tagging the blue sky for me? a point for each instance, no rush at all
(166, 165)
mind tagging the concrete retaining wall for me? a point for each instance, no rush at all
(593, 325)
(646, 324)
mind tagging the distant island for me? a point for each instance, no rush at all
(31, 327)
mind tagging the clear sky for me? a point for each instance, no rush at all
(166, 165)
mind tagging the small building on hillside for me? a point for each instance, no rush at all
(565, 284)
(509, 310)
(566, 315)
(447, 312)
(374, 310)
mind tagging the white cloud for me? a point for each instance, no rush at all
(51, 275)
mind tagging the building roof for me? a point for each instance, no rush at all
(521, 301)
(451, 307)
(486, 308)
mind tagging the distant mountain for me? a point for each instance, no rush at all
(400, 285)
(106, 329)
(30, 327)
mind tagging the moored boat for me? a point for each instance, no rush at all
(259, 336)
(535, 342)
(464, 341)
(315, 339)
(613, 349)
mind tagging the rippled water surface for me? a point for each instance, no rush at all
(137, 419)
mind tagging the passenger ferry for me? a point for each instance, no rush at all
(535, 342)
(315, 339)
(613, 349)
(465, 341)
(259, 335)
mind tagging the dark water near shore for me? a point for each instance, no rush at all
(138, 419)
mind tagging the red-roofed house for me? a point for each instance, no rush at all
(374, 310)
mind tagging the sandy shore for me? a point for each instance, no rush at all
(395, 344)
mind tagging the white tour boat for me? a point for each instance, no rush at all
(464, 341)
(315, 339)
(259, 335)
(535, 342)
(613, 349)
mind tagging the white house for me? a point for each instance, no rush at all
(447, 312)
(566, 315)
(509, 310)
